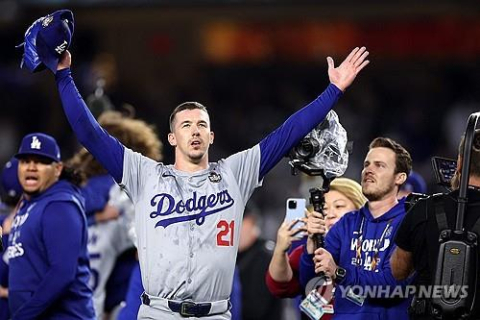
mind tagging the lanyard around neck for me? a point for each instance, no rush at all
(376, 249)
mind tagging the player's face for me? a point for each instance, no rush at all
(191, 135)
(336, 205)
(36, 174)
(379, 180)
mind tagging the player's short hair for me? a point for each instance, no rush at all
(189, 105)
(403, 160)
(133, 133)
(475, 155)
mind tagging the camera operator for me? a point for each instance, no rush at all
(417, 238)
(358, 247)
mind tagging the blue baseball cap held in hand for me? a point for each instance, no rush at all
(46, 39)
(39, 144)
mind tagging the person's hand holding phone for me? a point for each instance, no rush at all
(288, 232)
(315, 225)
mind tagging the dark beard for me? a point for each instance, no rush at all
(379, 195)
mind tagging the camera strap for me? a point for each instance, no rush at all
(441, 218)
(440, 215)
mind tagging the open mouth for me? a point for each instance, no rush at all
(31, 180)
(369, 180)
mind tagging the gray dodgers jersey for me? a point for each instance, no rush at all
(188, 224)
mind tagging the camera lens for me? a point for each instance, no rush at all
(292, 204)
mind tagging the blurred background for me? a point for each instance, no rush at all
(253, 63)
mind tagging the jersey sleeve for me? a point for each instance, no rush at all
(105, 148)
(136, 171)
(245, 166)
(276, 145)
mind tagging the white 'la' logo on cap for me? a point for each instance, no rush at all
(46, 21)
(36, 144)
(59, 49)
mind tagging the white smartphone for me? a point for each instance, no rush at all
(295, 208)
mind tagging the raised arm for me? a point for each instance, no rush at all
(105, 148)
(279, 142)
(279, 267)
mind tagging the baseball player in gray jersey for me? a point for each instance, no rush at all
(188, 214)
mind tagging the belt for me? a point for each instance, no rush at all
(187, 308)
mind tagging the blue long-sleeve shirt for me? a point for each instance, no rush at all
(342, 241)
(109, 151)
(48, 259)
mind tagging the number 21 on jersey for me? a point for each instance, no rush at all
(225, 233)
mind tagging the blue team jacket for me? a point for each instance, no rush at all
(342, 242)
(48, 260)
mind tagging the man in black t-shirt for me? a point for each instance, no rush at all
(417, 238)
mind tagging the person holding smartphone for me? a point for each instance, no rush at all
(345, 195)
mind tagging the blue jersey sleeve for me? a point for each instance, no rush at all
(105, 148)
(62, 234)
(276, 145)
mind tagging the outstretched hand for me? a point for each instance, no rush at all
(343, 75)
(65, 61)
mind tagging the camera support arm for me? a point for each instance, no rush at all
(462, 196)
(317, 199)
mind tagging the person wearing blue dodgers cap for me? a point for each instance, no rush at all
(47, 246)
